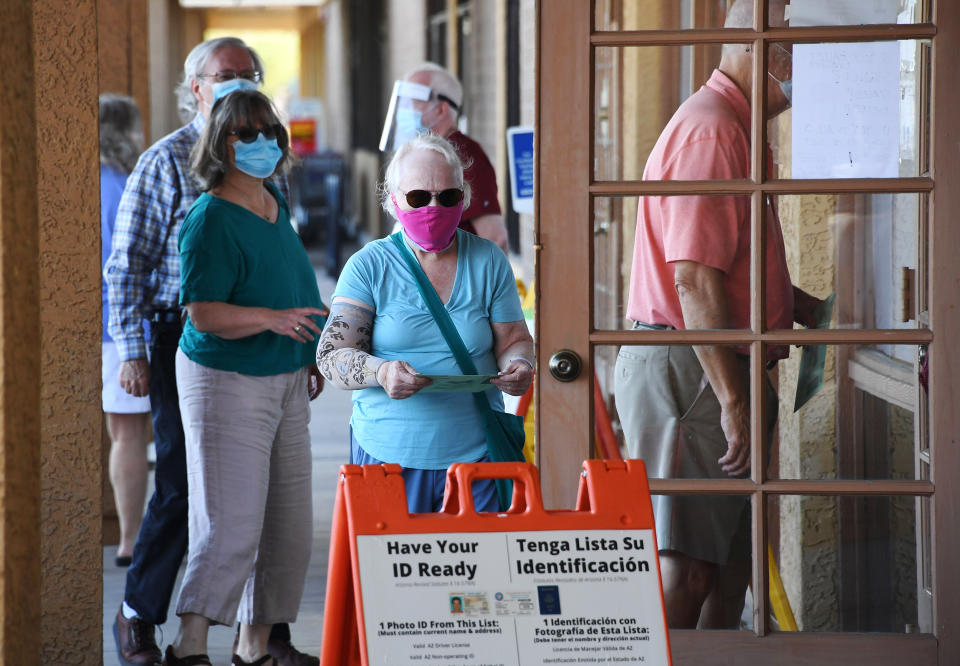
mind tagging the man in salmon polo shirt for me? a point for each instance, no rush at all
(686, 410)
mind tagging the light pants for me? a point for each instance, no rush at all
(250, 505)
(671, 420)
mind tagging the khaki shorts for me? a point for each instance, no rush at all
(671, 420)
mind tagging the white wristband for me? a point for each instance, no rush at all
(521, 358)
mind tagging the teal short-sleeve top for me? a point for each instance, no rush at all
(229, 254)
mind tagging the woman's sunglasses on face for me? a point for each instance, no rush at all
(446, 198)
(250, 134)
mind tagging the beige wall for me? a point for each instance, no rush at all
(482, 82)
(528, 100)
(312, 53)
(407, 47)
(337, 85)
(809, 563)
(173, 32)
(123, 51)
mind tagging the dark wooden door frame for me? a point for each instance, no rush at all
(563, 245)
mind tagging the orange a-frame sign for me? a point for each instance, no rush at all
(520, 588)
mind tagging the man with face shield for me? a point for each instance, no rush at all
(686, 410)
(429, 99)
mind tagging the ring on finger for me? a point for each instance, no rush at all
(297, 328)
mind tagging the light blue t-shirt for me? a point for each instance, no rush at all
(428, 430)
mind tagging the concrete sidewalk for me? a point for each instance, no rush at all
(329, 434)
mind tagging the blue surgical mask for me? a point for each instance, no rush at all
(786, 87)
(224, 88)
(258, 159)
(409, 125)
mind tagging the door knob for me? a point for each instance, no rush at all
(565, 365)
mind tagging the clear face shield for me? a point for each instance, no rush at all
(780, 69)
(403, 121)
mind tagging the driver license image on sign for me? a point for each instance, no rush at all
(512, 598)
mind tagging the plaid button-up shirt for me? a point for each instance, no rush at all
(143, 271)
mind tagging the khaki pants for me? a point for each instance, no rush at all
(671, 420)
(250, 504)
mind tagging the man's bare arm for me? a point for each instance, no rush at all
(704, 305)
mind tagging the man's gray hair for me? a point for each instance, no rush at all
(740, 15)
(442, 81)
(121, 132)
(427, 141)
(194, 64)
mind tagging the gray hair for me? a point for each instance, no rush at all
(427, 141)
(121, 132)
(194, 64)
(208, 159)
(740, 15)
(442, 81)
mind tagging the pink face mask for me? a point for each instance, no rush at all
(430, 227)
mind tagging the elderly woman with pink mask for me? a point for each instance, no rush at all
(381, 338)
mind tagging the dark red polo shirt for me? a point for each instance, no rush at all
(482, 179)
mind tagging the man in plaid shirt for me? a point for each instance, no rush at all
(143, 280)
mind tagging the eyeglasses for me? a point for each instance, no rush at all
(443, 98)
(446, 198)
(230, 75)
(250, 134)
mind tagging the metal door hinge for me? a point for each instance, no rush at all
(908, 309)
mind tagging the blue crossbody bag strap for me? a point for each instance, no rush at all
(442, 317)
(504, 432)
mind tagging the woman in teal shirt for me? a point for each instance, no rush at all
(381, 338)
(244, 372)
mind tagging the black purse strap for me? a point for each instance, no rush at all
(442, 317)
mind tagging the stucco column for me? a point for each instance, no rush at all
(68, 211)
(19, 345)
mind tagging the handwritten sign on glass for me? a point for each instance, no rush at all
(846, 110)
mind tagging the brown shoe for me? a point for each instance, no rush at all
(136, 644)
(287, 655)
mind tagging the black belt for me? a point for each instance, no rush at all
(658, 327)
(174, 316)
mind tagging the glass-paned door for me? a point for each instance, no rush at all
(739, 225)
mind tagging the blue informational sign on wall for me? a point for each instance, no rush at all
(520, 154)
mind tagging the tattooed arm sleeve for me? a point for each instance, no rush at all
(343, 354)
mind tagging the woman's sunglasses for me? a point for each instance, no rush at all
(250, 134)
(446, 198)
